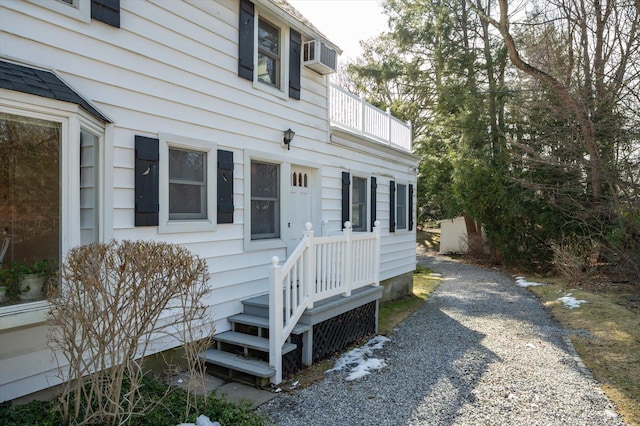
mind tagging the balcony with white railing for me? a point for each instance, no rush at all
(350, 112)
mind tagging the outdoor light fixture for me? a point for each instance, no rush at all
(288, 137)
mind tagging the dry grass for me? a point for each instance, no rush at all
(394, 312)
(607, 337)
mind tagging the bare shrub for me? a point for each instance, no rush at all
(115, 301)
(576, 261)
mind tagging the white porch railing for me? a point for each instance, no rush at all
(351, 112)
(319, 268)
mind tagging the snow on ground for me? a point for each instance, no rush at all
(522, 282)
(571, 302)
(359, 359)
(202, 420)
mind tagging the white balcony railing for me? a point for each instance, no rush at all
(352, 113)
(319, 268)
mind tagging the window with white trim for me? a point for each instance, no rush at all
(401, 206)
(269, 53)
(187, 195)
(187, 184)
(265, 200)
(77, 9)
(45, 207)
(359, 204)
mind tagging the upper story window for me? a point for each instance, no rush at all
(269, 55)
(107, 11)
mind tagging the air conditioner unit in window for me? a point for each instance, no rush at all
(319, 57)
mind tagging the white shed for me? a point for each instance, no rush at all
(453, 235)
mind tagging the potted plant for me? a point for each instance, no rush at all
(24, 281)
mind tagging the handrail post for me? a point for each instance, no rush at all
(348, 273)
(309, 287)
(377, 230)
(389, 132)
(276, 320)
(362, 113)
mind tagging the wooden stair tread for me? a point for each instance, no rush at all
(228, 360)
(250, 342)
(263, 322)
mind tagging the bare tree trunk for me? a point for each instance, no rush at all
(561, 90)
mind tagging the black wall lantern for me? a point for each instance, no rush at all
(288, 137)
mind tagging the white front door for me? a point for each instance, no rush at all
(302, 204)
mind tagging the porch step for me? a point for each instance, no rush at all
(233, 367)
(263, 322)
(250, 342)
(258, 306)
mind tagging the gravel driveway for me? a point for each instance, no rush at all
(480, 351)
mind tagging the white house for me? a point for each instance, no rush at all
(165, 120)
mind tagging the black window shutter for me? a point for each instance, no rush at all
(225, 186)
(245, 40)
(146, 181)
(294, 64)
(107, 11)
(410, 209)
(392, 206)
(374, 187)
(346, 200)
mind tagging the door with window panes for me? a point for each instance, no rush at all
(301, 206)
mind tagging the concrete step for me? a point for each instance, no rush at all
(250, 342)
(263, 322)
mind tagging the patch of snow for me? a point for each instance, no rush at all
(571, 302)
(522, 282)
(202, 420)
(532, 346)
(359, 359)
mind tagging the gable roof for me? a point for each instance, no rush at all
(33, 81)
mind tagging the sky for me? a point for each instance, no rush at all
(344, 22)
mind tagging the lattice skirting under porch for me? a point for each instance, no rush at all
(336, 333)
(292, 361)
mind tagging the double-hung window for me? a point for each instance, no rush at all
(359, 204)
(269, 54)
(187, 198)
(401, 206)
(187, 184)
(265, 200)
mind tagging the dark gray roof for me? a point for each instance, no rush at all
(41, 83)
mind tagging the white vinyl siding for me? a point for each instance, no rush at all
(173, 67)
